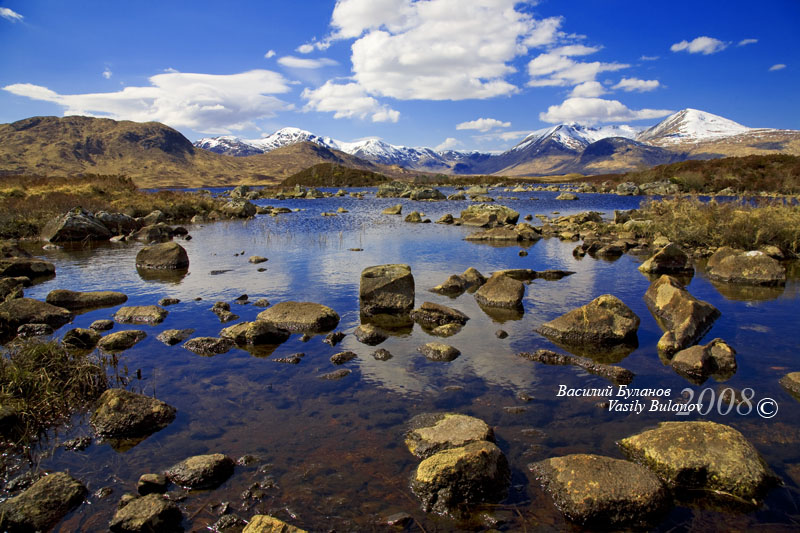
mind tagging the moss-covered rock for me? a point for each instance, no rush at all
(431, 433)
(75, 300)
(605, 321)
(125, 414)
(43, 504)
(305, 317)
(202, 471)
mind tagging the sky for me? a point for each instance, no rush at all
(447, 74)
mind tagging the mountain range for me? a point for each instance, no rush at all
(561, 149)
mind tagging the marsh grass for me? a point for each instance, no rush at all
(749, 226)
(27, 203)
(44, 383)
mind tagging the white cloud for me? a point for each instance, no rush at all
(107, 73)
(594, 110)
(482, 124)
(700, 45)
(649, 58)
(779, 66)
(745, 42)
(270, 54)
(555, 68)
(8, 14)
(588, 89)
(635, 84)
(575, 50)
(305, 48)
(437, 49)
(448, 144)
(502, 136)
(206, 103)
(298, 62)
(348, 100)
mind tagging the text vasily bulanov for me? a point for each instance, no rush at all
(624, 399)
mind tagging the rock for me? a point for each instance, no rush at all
(616, 374)
(423, 194)
(484, 215)
(208, 346)
(261, 302)
(394, 210)
(74, 300)
(43, 504)
(27, 331)
(627, 189)
(152, 233)
(336, 374)
(163, 256)
(567, 196)
(11, 288)
(684, 318)
(386, 289)
(304, 317)
(603, 322)
(19, 311)
(147, 514)
(431, 433)
(447, 218)
(151, 484)
(333, 338)
(382, 355)
(256, 259)
(239, 208)
(701, 455)
(75, 225)
(697, 363)
(12, 267)
(791, 382)
(141, 314)
(154, 217)
(343, 357)
(454, 285)
(519, 274)
(436, 351)
(124, 414)
(602, 492)
(171, 337)
(121, 340)
(431, 315)
(473, 278)
(164, 302)
(201, 471)
(501, 334)
(501, 291)
(446, 330)
(117, 223)
(668, 260)
(370, 335)
(472, 474)
(751, 268)
(81, 338)
(460, 195)
(262, 523)
(103, 324)
(413, 217)
(255, 333)
(500, 234)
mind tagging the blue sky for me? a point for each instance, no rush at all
(476, 74)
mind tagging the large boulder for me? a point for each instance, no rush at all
(152, 233)
(28, 267)
(302, 317)
(163, 256)
(19, 311)
(201, 471)
(11, 288)
(485, 215)
(603, 492)
(121, 340)
(124, 414)
(255, 333)
(423, 193)
(472, 474)
(431, 433)
(452, 286)
(75, 300)
(117, 223)
(697, 363)
(75, 225)
(239, 208)
(751, 268)
(141, 314)
(501, 291)
(262, 523)
(701, 455)
(430, 315)
(386, 289)
(668, 260)
(684, 318)
(147, 514)
(605, 321)
(43, 504)
(81, 338)
(496, 235)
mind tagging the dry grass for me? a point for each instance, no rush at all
(692, 223)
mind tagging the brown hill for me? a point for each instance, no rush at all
(152, 154)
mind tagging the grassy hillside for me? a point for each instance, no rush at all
(333, 175)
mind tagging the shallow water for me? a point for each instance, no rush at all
(331, 452)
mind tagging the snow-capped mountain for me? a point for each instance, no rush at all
(691, 125)
(287, 136)
(228, 145)
(576, 136)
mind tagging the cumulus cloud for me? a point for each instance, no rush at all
(745, 42)
(482, 124)
(779, 66)
(700, 45)
(556, 67)
(270, 54)
(107, 73)
(208, 103)
(448, 144)
(635, 84)
(502, 136)
(299, 62)
(594, 110)
(588, 89)
(348, 100)
(8, 14)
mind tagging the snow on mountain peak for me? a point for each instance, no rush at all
(576, 136)
(691, 125)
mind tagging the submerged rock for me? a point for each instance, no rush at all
(501, 291)
(603, 322)
(141, 314)
(208, 346)
(430, 433)
(701, 455)
(121, 340)
(147, 514)
(430, 315)
(201, 471)
(163, 256)
(598, 491)
(171, 337)
(122, 414)
(617, 374)
(74, 300)
(386, 289)
(343, 357)
(304, 317)
(43, 504)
